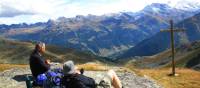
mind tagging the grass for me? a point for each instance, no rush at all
(93, 67)
(102, 67)
(4, 67)
(187, 78)
(16, 52)
(189, 56)
(87, 66)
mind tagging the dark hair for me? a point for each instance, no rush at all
(38, 46)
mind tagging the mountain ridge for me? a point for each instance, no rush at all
(161, 41)
(104, 35)
(186, 56)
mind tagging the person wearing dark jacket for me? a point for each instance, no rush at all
(74, 79)
(38, 65)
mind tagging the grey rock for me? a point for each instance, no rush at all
(14, 78)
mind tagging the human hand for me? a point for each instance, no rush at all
(48, 61)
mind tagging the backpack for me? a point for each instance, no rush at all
(50, 79)
(77, 81)
(41, 78)
(53, 79)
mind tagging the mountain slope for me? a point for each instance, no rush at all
(18, 53)
(161, 41)
(105, 35)
(186, 56)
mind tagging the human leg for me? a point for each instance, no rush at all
(116, 83)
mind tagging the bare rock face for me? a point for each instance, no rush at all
(128, 79)
(15, 78)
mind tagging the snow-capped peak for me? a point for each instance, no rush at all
(157, 7)
(190, 5)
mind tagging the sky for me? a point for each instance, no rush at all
(31, 11)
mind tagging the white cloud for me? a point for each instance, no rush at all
(7, 11)
(31, 11)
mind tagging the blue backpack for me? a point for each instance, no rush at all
(41, 79)
(50, 79)
(53, 78)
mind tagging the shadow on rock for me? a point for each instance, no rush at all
(20, 78)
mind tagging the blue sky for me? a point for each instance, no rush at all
(31, 11)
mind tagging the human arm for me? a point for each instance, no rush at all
(42, 63)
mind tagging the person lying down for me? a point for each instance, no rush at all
(73, 78)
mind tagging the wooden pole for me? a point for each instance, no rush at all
(172, 30)
(172, 47)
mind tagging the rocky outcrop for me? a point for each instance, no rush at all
(14, 78)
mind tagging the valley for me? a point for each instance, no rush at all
(105, 35)
(132, 43)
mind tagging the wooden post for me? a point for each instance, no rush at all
(172, 30)
(172, 47)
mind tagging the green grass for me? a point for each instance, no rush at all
(182, 62)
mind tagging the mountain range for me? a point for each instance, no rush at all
(161, 41)
(107, 35)
(186, 56)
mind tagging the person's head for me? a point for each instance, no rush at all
(69, 67)
(40, 47)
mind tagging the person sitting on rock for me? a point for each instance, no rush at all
(73, 79)
(38, 64)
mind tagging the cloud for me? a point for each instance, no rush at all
(30, 11)
(67, 8)
(7, 11)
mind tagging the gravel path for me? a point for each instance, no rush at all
(14, 78)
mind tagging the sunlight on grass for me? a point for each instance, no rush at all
(101, 67)
(187, 78)
(4, 67)
(93, 67)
